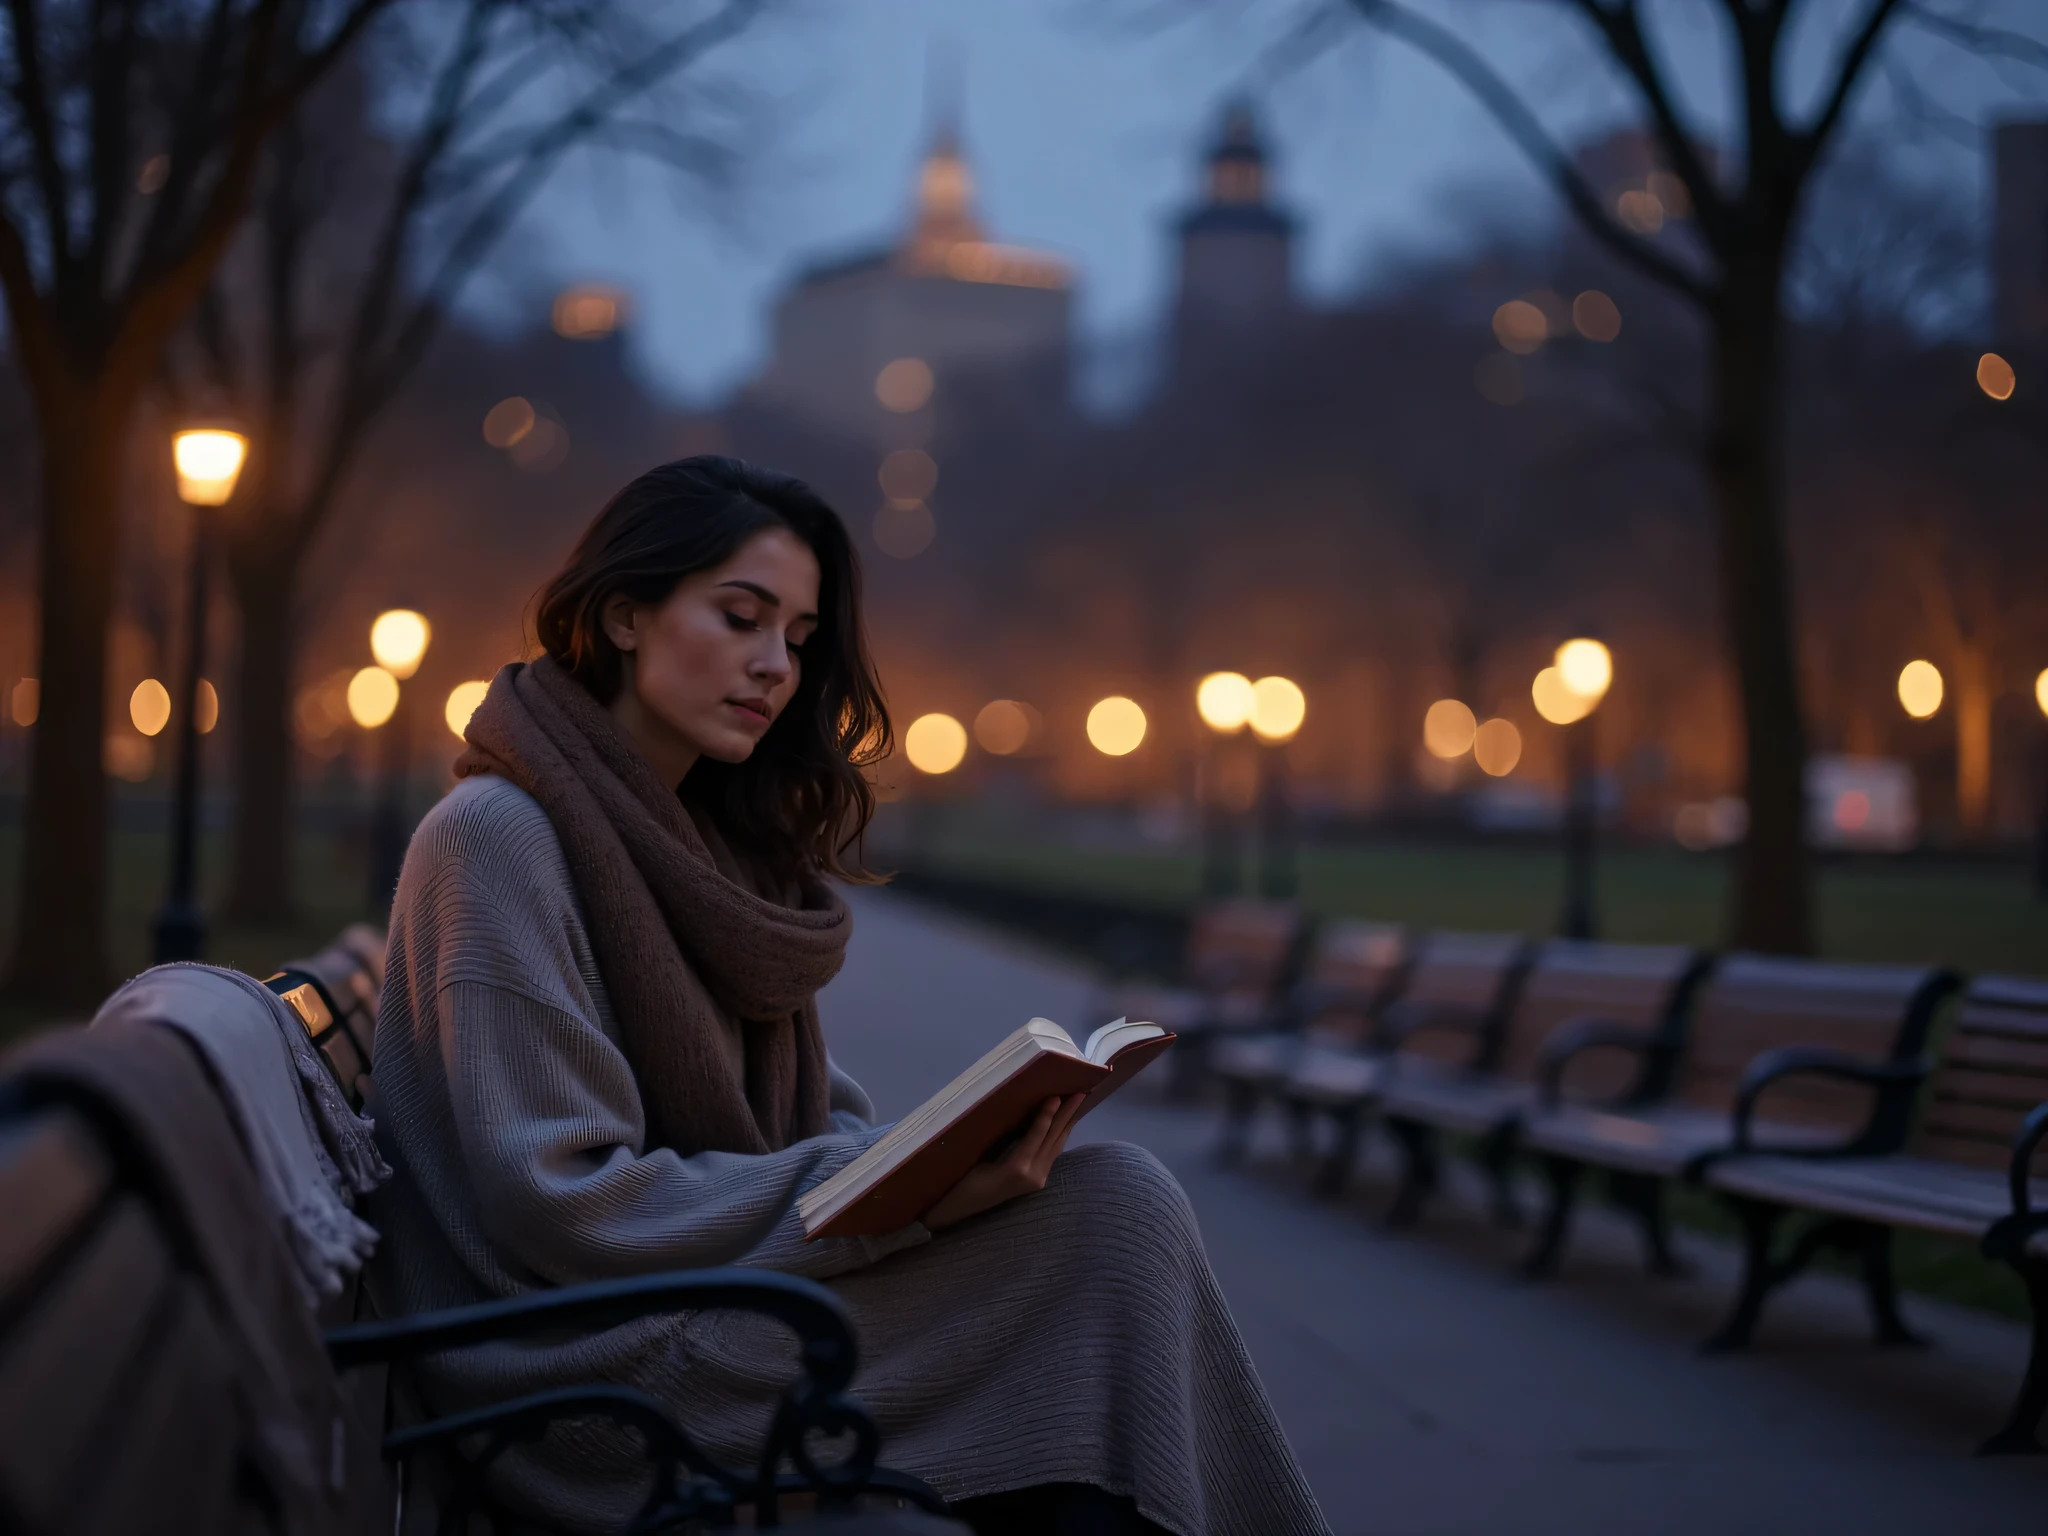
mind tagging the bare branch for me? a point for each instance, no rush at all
(1850, 73)
(1975, 37)
(35, 106)
(1621, 27)
(1457, 57)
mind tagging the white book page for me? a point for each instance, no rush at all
(1115, 1035)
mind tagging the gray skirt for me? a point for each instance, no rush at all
(1072, 1336)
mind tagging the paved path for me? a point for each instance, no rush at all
(1428, 1394)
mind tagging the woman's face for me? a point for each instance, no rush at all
(712, 665)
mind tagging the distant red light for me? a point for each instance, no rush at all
(1852, 811)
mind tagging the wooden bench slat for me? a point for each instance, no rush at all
(53, 1176)
(62, 1366)
(1891, 1191)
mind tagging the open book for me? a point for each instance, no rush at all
(928, 1151)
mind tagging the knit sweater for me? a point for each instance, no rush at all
(1072, 1336)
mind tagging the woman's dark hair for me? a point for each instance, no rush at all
(800, 801)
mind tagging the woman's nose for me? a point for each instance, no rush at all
(771, 659)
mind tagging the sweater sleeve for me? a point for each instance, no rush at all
(549, 1118)
(510, 1063)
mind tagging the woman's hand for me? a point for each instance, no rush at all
(1020, 1171)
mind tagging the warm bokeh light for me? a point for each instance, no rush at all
(149, 706)
(1449, 728)
(935, 743)
(1278, 708)
(206, 708)
(1995, 376)
(1587, 668)
(908, 474)
(588, 311)
(904, 529)
(463, 699)
(209, 462)
(1596, 315)
(1555, 699)
(372, 697)
(1920, 689)
(1004, 726)
(2041, 690)
(1116, 726)
(1520, 327)
(508, 422)
(1641, 211)
(543, 449)
(1224, 701)
(1497, 747)
(904, 385)
(24, 702)
(398, 640)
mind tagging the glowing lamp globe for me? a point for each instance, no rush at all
(209, 462)
(399, 640)
(1920, 689)
(463, 699)
(935, 743)
(1116, 726)
(372, 697)
(1278, 708)
(1224, 701)
(1587, 668)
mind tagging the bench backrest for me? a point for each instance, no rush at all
(335, 994)
(1755, 1003)
(1645, 985)
(1993, 1072)
(1461, 986)
(1354, 969)
(1243, 947)
(115, 1412)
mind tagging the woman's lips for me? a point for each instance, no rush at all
(751, 710)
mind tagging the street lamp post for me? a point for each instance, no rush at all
(398, 639)
(208, 461)
(1224, 701)
(1567, 693)
(1278, 708)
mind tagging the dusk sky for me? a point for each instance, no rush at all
(1084, 133)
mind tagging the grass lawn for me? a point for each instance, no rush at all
(1978, 917)
(332, 878)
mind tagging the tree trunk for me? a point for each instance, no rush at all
(60, 955)
(1773, 890)
(262, 570)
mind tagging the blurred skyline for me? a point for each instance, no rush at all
(1084, 135)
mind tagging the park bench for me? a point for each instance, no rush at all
(1632, 986)
(1354, 970)
(1975, 1169)
(1457, 992)
(1241, 955)
(117, 1413)
(1676, 1114)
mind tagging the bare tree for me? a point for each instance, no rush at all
(1747, 196)
(130, 136)
(356, 251)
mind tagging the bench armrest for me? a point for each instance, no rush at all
(1575, 1038)
(1895, 1081)
(2009, 1235)
(815, 1404)
(818, 1317)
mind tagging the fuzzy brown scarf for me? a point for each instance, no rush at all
(684, 939)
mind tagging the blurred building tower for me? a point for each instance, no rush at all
(2019, 234)
(945, 294)
(1236, 246)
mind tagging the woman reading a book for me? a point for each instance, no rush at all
(599, 1055)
